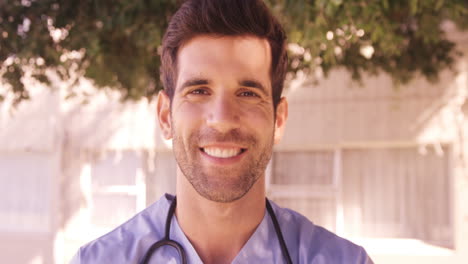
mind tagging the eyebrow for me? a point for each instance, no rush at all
(253, 84)
(194, 82)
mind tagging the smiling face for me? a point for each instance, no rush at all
(221, 118)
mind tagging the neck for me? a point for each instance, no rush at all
(218, 231)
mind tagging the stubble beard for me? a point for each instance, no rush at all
(222, 184)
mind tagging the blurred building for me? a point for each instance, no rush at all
(384, 167)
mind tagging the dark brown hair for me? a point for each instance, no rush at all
(224, 18)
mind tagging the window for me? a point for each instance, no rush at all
(25, 185)
(387, 192)
(292, 186)
(118, 189)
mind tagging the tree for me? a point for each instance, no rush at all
(115, 43)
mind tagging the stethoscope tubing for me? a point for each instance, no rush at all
(166, 241)
(283, 246)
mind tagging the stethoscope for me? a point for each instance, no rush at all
(167, 241)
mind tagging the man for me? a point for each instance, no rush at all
(223, 67)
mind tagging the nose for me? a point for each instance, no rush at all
(224, 114)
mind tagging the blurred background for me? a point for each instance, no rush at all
(375, 147)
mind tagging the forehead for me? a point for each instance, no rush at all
(235, 56)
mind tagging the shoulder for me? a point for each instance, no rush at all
(311, 243)
(128, 240)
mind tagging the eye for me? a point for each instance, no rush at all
(199, 91)
(248, 94)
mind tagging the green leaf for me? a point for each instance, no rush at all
(439, 4)
(385, 4)
(413, 7)
(337, 2)
(42, 78)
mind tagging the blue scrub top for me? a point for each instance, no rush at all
(306, 242)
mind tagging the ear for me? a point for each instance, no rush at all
(163, 110)
(281, 117)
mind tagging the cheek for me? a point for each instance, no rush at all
(187, 111)
(259, 118)
(190, 117)
(184, 117)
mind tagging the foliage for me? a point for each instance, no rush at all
(115, 43)
(400, 37)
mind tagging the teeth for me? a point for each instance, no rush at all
(222, 152)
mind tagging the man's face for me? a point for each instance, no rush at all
(222, 119)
